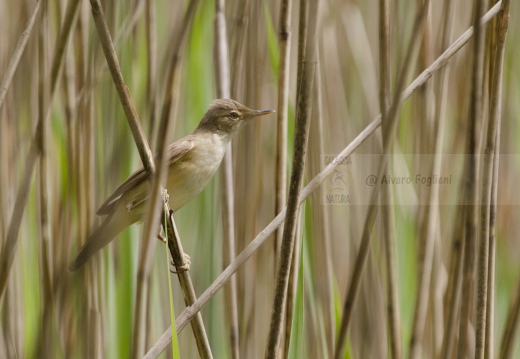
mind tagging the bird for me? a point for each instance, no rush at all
(192, 162)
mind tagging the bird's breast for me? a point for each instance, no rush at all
(188, 176)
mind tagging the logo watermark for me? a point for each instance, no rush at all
(419, 179)
(355, 177)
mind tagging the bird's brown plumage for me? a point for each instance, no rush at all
(193, 160)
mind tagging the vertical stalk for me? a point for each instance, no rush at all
(394, 327)
(222, 71)
(471, 183)
(284, 44)
(486, 244)
(151, 89)
(151, 67)
(45, 341)
(429, 224)
(300, 146)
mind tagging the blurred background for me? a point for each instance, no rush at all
(46, 311)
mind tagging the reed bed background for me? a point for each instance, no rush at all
(374, 269)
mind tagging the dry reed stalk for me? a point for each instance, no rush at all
(487, 244)
(222, 70)
(151, 67)
(320, 251)
(45, 337)
(451, 292)
(151, 89)
(301, 137)
(284, 44)
(429, 227)
(471, 182)
(393, 321)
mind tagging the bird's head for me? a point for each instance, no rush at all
(226, 116)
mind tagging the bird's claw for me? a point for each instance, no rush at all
(161, 238)
(166, 196)
(181, 268)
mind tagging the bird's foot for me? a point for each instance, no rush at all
(161, 238)
(166, 196)
(181, 268)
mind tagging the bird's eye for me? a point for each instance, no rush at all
(234, 115)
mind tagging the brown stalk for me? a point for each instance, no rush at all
(45, 338)
(490, 311)
(151, 67)
(284, 44)
(387, 213)
(486, 244)
(429, 224)
(151, 89)
(222, 70)
(452, 293)
(301, 137)
(320, 249)
(471, 183)
(281, 157)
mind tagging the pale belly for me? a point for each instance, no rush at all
(185, 180)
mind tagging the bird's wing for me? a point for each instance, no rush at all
(176, 151)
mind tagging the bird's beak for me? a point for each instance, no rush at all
(258, 113)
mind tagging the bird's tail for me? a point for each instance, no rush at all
(101, 236)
